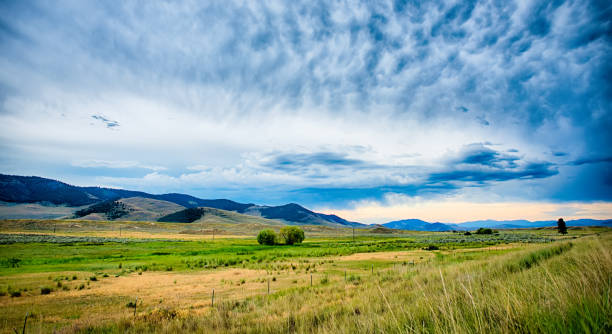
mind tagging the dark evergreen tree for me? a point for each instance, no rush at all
(561, 226)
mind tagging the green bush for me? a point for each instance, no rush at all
(483, 230)
(266, 237)
(291, 235)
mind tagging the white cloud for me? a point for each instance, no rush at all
(114, 164)
(209, 90)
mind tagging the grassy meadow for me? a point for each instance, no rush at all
(102, 277)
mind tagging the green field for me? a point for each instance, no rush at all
(86, 277)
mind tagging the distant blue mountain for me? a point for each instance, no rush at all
(420, 225)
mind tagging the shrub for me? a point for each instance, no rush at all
(483, 230)
(292, 235)
(45, 291)
(266, 237)
(93, 278)
(15, 293)
(467, 233)
(354, 279)
(13, 262)
(431, 247)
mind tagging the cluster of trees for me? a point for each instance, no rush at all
(288, 235)
(112, 209)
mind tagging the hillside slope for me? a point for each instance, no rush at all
(132, 208)
(211, 215)
(34, 211)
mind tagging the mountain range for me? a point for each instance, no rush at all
(37, 197)
(99, 203)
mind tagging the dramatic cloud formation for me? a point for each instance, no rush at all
(330, 104)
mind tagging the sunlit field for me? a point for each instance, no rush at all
(90, 280)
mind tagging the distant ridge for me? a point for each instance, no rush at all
(108, 203)
(421, 225)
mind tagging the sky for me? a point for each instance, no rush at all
(377, 110)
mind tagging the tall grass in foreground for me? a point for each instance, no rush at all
(563, 288)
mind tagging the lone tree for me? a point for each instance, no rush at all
(266, 237)
(561, 226)
(291, 235)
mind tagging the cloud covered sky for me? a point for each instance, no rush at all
(348, 106)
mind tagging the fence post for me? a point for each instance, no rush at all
(135, 306)
(310, 279)
(24, 322)
(212, 302)
(268, 286)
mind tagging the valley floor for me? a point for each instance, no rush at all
(517, 281)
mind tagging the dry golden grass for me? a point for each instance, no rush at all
(105, 300)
